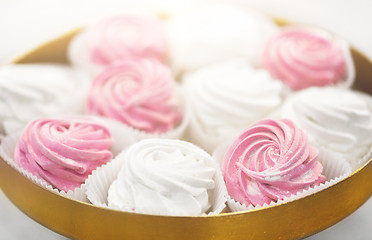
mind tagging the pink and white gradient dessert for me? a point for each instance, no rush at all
(303, 57)
(63, 151)
(118, 38)
(139, 93)
(269, 161)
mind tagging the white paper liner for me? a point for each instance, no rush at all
(100, 181)
(335, 169)
(219, 195)
(123, 137)
(7, 151)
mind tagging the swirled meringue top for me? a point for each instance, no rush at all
(337, 119)
(118, 38)
(63, 151)
(216, 32)
(163, 176)
(137, 92)
(269, 161)
(29, 91)
(227, 97)
(304, 57)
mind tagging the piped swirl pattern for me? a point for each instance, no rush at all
(269, 161)
(137, 92)
(163, 176)
(122, 37)
(63, 151)
(303, 58)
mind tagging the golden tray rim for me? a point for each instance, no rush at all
(79, 220)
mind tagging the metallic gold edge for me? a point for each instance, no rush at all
(355, 173)
(68, 34)
(230, 216)
(203, 216)
(280, 22)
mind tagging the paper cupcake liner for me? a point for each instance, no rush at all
(335, 169)
(7, 148)
(219, 195)
(117, 127)
(101, 179)
(122, 135)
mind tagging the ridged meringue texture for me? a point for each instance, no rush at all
(63, 151)
(225, 98)
(217, 32)
(337, 119)
(305, 57)
(139, 93)
(269, 161)
(165, 177)
(29, 91)
(119, 38)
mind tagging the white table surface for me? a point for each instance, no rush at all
(25, 24)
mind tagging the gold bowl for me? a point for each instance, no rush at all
(292, 220)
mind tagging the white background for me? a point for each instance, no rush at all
(25, 24)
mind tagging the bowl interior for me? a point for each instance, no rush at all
(292, 220)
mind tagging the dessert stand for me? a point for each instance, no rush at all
(292, 220)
